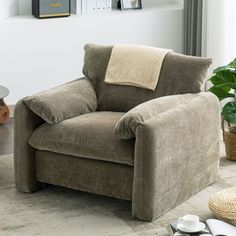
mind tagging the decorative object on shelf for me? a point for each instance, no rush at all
(224, 86)
(223, 205)
(4, 110)
(129, 4)
(51, 8)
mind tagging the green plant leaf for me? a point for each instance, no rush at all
(229, 112)
(231, 67)
(221, 93)
(227, 76)
(216, 80)
(223, 68)
(226, 86)
(224, 80)
(233, 63)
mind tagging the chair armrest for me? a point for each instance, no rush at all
(127, 125)
(64, 102)
(54, 105)
(176, 155)
(25, 122)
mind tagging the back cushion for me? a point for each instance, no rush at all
(180, 74)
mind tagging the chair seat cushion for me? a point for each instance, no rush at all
(88, 135)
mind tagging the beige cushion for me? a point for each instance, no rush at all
(89, 136)
(63, 102)
(223, 205)
(180, 74)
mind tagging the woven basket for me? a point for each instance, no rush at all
(223, 205)
(230, 143)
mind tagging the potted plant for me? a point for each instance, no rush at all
(224, 87)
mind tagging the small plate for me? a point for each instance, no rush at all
(201, 226)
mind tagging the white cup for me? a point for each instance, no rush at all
(189, 222)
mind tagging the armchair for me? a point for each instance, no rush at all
(155, 149)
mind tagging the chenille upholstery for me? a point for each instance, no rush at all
(54, 106)
(88, 135)
(180, 74)
(154, 148)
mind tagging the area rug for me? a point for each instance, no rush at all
(64, 212)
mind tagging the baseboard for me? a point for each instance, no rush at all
(11, 108)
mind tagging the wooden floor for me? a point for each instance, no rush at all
(7, 137)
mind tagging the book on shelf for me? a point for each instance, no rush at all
(76, 7)
(84, 7)
(213, 227)
(90, 7)
(109, 5)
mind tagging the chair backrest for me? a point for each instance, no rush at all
(180, 74)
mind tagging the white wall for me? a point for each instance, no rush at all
(179, 1)
(39, 54)
(24, 6)
(219, 33)
(8, 8)
(14, 7)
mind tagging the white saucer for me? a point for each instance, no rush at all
(201, 226)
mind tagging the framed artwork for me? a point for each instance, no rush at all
(131, 4)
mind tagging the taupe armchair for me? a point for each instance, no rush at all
(154, 148)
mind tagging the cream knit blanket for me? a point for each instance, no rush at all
(135, 65)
